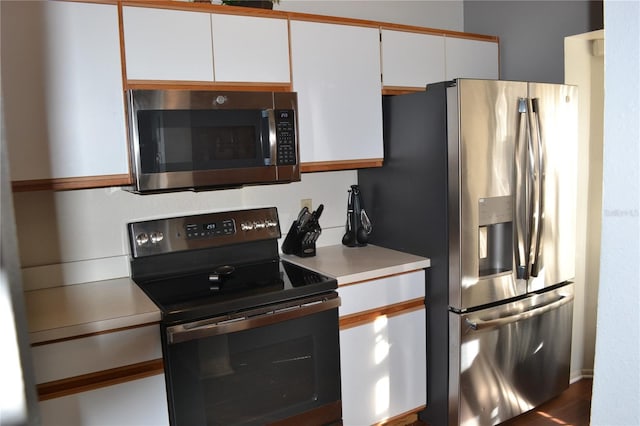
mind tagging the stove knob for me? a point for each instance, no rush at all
(260, 225)
(246, 226)
(156, 237)
(142, 239)
(271, 223)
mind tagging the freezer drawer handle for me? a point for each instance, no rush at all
(483, 325)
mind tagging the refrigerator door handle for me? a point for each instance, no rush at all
(478, 324)
(536, 264)
(521, 208)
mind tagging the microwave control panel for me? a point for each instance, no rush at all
(286, 138)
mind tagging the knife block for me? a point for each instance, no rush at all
(301, 242)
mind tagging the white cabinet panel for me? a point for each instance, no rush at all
(383, 368)
(336, 72)
(467, 58)
(62, 90)
(165, 44)
(411, 59)
(69, 358)
(140, 402)
(382, 292)
(247, 48)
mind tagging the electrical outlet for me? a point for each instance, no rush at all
(306, 202)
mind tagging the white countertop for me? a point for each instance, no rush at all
(71, 311)
(75, 310)
(353, 264)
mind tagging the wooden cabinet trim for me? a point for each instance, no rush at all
(300, 16)
(326, 166)
(99, 379)
(63, 184)
(438, 32)
(208, 85)
(381, 277)
(354, 320)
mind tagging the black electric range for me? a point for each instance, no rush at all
(205, 265)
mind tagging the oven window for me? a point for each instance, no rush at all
(200, 140)
(255, 376)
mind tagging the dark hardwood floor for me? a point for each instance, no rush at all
(572, 407)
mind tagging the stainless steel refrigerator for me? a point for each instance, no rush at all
(480, 176)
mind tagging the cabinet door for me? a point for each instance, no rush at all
(336, 72)
(136, 403)
(471, 59)
(62, 89)
(383, 368)
(250, 49)
(411, 59)
(165, 44)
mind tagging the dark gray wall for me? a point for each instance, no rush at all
(532, 33)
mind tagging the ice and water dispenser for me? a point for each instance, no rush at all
(495, 235)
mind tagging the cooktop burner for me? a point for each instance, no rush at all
(200, 266)
(203, 294)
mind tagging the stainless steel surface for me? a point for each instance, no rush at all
(489, 168)
(210, 100)
(203, 231)
(252, 319)
(558, 117)
(507, 143)
(517, 358)
(483, 129)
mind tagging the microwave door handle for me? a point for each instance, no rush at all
(273, 145)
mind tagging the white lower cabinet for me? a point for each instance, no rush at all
(382, 356)
(137, 403)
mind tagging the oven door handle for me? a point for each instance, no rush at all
(251, 319)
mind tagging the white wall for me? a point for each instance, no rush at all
(616, 384)
(76, 236)
(584, 67)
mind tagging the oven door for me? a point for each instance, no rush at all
(274, 365)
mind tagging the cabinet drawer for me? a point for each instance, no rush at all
(90, 354)
(382, 292)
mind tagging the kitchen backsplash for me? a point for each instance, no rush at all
(71, 237)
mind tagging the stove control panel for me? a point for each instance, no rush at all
(175, 234)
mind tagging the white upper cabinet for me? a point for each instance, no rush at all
(163, 44)
(247, 48)
(466, 58)
(62, 90)
(336, 72)
(175, 45)
(411, 59)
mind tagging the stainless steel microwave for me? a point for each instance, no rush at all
(198, 140)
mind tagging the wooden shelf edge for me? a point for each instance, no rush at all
(328, 166)
(208, 85)
(63, 184)
(301, 16)
(100, 379)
